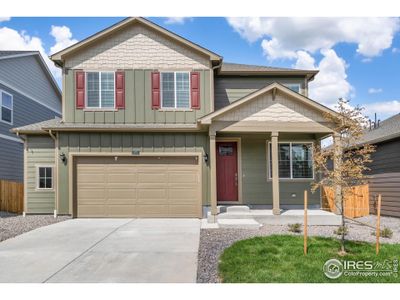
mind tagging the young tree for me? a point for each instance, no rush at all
(348, 154)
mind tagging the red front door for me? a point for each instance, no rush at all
(227, 171)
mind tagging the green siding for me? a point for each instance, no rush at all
(137, 103)
(126, 142)
(257, 188)
(40, 152)
(230, 89)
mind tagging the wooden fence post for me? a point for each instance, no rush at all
(378, 223)
(305, 222)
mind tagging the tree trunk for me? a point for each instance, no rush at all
(342, 240)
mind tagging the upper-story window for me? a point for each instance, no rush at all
(175, 90)
(6, 105)
(294, 87)
(100, 90)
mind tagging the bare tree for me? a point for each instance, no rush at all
(349, 155)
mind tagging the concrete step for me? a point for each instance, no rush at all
(239, 223)
(235, 215)
(238, 209)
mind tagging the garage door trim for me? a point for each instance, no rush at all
(72, 164)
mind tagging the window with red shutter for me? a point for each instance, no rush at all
(120, 89)
(80, 89)
(195, 89)
(155, 90)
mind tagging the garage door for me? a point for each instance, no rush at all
(137, 187)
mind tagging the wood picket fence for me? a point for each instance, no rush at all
(11, 196)
(356, 203)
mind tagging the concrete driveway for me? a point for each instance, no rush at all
(104, 250)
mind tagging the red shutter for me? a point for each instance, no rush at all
(155, 90)
(120, 89)
(80, 89)
(195, 89)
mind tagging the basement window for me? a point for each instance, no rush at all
(44, 177)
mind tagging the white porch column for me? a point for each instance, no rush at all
(275, 174)
(213, 174)
(336, 165)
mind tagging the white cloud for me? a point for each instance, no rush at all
(383, 109)
(330, 83)
(176, 20)
(375, 91)
(63, 37)
(11, 39)
(4, 19)
(282, 37)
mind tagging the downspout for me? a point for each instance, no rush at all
(25, 172)
(55, 175)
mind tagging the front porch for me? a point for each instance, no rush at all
(273, 132)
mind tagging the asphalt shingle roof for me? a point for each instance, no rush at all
(233, 67)
(388, 129)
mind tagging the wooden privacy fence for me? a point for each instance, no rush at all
(356, 202)
(11, 196)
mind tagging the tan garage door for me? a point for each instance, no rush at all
(137, 187)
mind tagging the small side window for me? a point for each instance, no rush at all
(45, 178)
(6, 106)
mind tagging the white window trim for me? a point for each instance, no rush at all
(175, 108)
(288, 85)
(269, 171)
(38, 177)
(86, 90)
(12, 107)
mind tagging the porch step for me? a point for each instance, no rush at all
(239, 223)
(238, 209)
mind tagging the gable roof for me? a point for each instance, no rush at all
(17, 54)
(244, 69)
(207, 119)
(58, 57)
(387, 130)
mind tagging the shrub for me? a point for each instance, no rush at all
(385, 233)
(296, 227)
(341, 230)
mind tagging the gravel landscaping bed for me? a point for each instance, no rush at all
(214, 241)
(12, 225)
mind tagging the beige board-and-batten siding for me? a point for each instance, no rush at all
(40, 152)
(138, 107)
(127, 142)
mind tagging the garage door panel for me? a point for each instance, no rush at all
(138, 187)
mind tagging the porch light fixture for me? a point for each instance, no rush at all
(205, 156)
(63, 158)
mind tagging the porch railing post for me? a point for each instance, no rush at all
(213, 174)
(275, 174)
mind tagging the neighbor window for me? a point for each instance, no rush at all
(45, 177)
(6, 104)
(294, 87)
(294, 160)
(175, 90)
(100, 90)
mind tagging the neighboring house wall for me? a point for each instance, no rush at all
(26, 75)
(385, 178)
(137, 47)
(25, 111)
(40, 151)
(126, 142)
(230, 89)
(138, 108)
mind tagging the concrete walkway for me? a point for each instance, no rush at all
(104, 250)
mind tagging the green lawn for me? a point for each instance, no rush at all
(279, 258)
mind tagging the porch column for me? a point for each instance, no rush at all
(213, 174)
(275, 174)
(336, 165)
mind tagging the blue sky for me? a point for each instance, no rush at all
(359, 58)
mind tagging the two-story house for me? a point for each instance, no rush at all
(154, 125)
(28, 94)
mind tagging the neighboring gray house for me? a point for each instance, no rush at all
(28, 94)
(385, 168)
